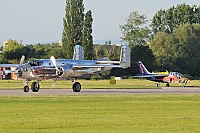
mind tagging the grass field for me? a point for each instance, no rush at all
(91, 84)
(100, 113)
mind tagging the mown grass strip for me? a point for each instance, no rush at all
(100, 113)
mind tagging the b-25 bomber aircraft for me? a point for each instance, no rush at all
(42, 69)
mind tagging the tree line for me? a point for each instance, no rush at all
(171, 40)
(13, 51)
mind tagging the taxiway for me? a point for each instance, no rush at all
(164, 90)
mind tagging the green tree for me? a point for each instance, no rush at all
(87, 41)
(164, 48)
(112, 52)
(12, 45)
(179, 50)
(188, 38)
(53, 50)
(31, 51)
(12, 51)
(157, 21)
(142, 53)
(135, 31)
(98, 50)
(73, 26)
(39, 50)
(167, 20)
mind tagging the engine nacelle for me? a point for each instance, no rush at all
(65, 71)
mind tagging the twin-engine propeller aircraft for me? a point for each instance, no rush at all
(171, 77)
(41, 69)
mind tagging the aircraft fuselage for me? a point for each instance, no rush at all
(40, 69)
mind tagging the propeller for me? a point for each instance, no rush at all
(54, 82)
(53, 60)
(22, 59)
(18, 70)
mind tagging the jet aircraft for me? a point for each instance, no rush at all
(42, 69)
(171, 77)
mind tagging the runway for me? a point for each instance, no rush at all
(164, 90)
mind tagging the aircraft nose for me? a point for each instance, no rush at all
(18, 72)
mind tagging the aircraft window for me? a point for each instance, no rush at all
(40, 63)
(49, 64)
(34, 63)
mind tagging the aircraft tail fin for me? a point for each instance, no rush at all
(78, 53)
(143, 69)
(125, 56)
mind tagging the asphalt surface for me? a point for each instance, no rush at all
(164, 90)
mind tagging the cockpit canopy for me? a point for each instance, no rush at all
(35, 63)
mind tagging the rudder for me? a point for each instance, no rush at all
(125, 56)
(142, 69)
(78, 53)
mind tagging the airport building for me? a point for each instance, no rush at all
(3, 72)
(7, 72)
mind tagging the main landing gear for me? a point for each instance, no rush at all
(157, 84)
(35, 87)
(167, 85)
(76, 87)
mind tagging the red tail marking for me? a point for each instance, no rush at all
(141, 68)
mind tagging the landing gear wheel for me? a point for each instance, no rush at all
(35, 87)
(156, 84)
(76, 87)
(26, 88)
(167, 85)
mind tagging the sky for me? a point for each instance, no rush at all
(41, 21)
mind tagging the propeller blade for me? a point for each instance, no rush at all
(54, 82)
(53, 60)
(22, 59)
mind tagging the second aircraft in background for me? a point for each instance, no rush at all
(166, 77)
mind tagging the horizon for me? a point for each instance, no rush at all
(113, 41)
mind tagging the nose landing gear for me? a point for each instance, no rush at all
(26, 88)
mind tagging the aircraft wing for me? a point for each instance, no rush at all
(108, 62)
(150, 76)
(75, 67)
(9, 65)
(96, 66)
